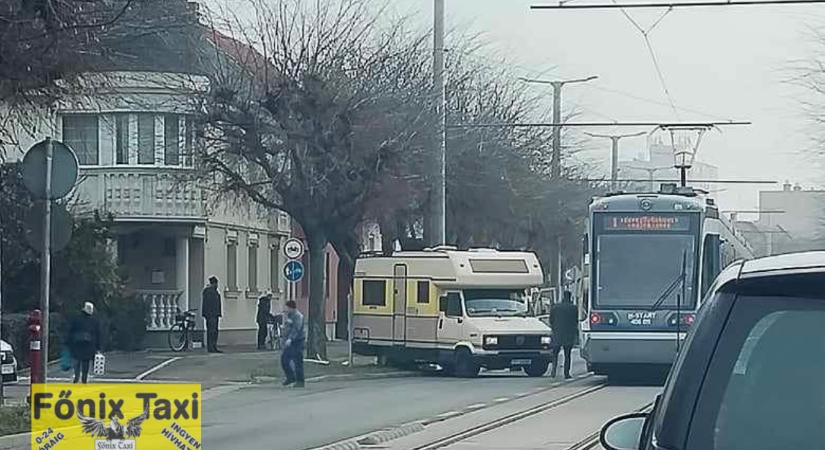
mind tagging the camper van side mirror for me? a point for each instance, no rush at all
(442, 304)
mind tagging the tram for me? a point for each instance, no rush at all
(649, 258)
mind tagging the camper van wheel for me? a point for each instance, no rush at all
(465, 367)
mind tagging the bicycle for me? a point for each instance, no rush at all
(179, 333)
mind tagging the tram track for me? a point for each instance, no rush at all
(592, 440)
(511, 418)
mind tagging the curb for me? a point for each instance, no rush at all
(342, 376)
(15, 441)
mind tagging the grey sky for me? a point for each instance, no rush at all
(730, 63)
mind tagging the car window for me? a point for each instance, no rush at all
(764, 389)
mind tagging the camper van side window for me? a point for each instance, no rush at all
(423, 292)
(454, 304)
(375, 293)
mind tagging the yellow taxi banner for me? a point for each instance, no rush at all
(116, 417)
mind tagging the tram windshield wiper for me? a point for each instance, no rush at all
(680, 279)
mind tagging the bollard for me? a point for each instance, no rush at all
(35, 330)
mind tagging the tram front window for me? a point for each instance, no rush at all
(637, 270)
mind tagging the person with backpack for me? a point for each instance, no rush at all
(84, 341)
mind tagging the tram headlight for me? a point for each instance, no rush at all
(490, 340)
(546, 340)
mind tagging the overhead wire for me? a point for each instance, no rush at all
(654, 59)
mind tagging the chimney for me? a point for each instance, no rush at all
(787, 186)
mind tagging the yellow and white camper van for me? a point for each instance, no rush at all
(460, 309)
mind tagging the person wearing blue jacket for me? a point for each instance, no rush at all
(292, 355)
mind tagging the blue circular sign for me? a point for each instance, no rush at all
(294, 271)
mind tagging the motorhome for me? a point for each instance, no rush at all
(462, 310)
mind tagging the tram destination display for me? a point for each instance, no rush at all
(646, 222)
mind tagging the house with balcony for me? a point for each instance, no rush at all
(133, 132)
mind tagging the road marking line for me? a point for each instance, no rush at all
(449, 414)
(501, 399)
(157, 367)
(475, 406)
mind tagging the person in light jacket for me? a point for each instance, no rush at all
(292, 355)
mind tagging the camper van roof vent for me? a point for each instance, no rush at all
(483, 250)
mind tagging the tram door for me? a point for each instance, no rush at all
(399, 289)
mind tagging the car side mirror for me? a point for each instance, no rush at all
(623, 432)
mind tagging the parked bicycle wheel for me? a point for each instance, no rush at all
(178, 337)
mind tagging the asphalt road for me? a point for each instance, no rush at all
(565, 426)
(289, 419)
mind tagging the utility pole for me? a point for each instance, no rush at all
(555, 168)
(614, 155)
(438, 201)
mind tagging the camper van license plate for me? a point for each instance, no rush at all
(521, 362)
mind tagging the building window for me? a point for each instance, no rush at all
(275, 266)
(253, 267)
(328, 277)
(232, 265)
(146, 139)
(423, 292)
(189, 142)
(374, 293)
(171, 140)
(80, 132)
(122, 139)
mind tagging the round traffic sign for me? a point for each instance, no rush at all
(294, 248)
(64, 170)
(61, 226)
(294, 271)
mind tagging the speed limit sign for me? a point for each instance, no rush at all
(294, 248)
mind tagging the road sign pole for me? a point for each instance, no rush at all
(46, 262)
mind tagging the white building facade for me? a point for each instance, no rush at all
(134, 138)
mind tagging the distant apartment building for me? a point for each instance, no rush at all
(791, 219)
(658, 165)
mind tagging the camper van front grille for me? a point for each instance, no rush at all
(516, 342)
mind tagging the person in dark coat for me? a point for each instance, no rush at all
(84, 341)
(292, 355)
(264, 318)
(211, 312)
(564, 320)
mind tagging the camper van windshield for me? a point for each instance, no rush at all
(495, 302)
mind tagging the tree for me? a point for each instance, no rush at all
(306, 116)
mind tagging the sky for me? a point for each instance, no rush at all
(727, 63)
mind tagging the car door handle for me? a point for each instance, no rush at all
(440, 323)
(460, 320)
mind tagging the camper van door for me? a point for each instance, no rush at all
(450, 320)
(399, 287)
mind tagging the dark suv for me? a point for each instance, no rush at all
(752, 372)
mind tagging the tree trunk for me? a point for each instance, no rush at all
(317, 338)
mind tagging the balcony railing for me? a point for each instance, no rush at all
(162, 308)
(138, 192)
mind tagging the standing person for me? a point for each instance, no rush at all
(264, 318)
(564, 320)
(84, 341)
(292, 355)
(211, 311)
